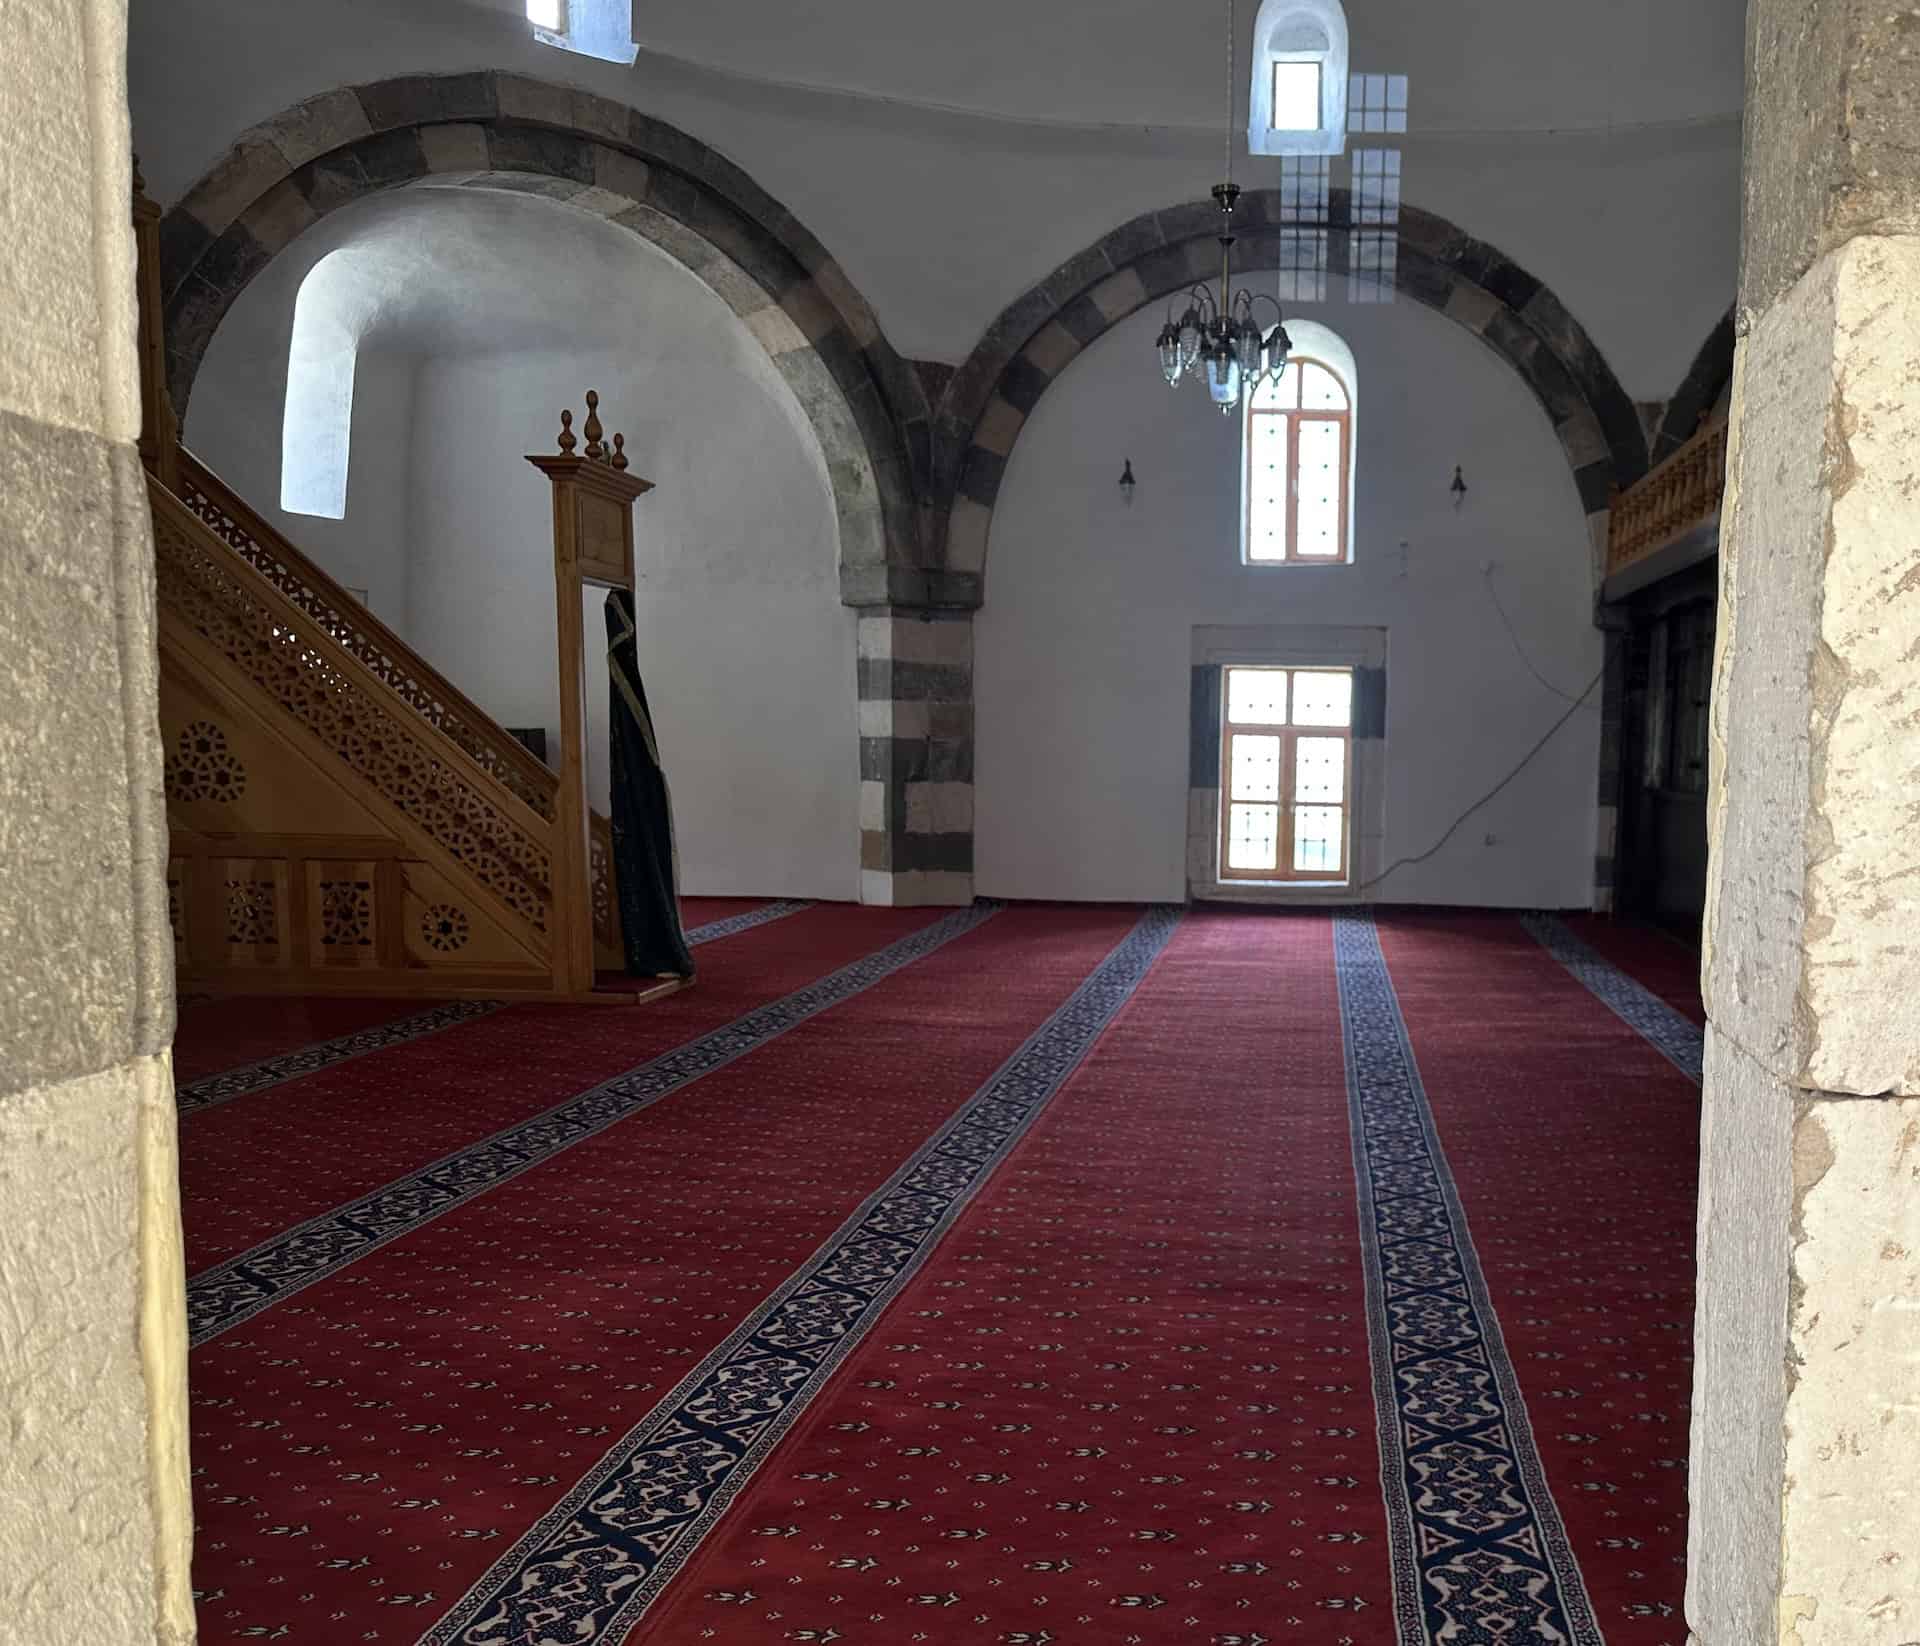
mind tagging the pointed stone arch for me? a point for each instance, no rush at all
(510, 131)
(1159, 253)
(1699, 391)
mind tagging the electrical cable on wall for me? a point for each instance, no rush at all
(1574, 705)
(1525, 760)
(1513, 634)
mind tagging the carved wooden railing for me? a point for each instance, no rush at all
(351, 625)
(1670, 500)
(286, 644)
(416, 682)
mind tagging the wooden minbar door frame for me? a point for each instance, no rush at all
(593, 498)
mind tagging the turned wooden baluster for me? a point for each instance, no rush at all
(593, 498)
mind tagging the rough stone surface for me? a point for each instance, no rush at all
(79, 1558)
(68, 996)
(1851, 1520)
(51, 369)
(1862, 982)
(95, 1522)
(1832, 134)
(1816, 738)
(1740, 1346)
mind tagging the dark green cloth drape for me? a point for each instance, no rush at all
(646, 868)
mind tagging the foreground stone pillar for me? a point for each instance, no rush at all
(916, 757)
(95, 1528)
(1806, 1427)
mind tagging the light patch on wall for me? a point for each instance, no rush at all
(316, 427)
(592, 28)
(1376, 218)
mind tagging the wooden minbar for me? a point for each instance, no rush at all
(593, 498)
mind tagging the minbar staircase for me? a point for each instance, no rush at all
(343, 818)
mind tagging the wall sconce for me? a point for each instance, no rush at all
(1459, 487)
(1127, 483)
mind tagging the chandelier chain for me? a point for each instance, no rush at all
(1229, 91)
(1219, 337)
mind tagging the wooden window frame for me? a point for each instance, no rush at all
(1283, 873)
(1295, 416)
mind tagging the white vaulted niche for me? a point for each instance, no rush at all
(402, 357)
(1084, 650)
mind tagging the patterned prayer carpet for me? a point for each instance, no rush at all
(995, 1276)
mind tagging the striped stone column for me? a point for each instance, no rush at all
(916, 757)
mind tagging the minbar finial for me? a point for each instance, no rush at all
(567, 441)
(595, 453)
(619, 451)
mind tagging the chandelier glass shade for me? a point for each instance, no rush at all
(1221, 337)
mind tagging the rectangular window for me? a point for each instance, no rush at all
(1296, 96)
(1286, 774)
(548, 14)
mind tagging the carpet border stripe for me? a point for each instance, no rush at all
(1401, 1173)
(210, 1091)
(1674, 1035)
(691, 1456)
(240, 1287)
(734, 924)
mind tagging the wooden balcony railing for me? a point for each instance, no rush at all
(1669, 501)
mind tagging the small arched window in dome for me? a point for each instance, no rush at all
(1298, 102)
(1298, 463)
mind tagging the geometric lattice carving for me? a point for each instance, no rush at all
(445, 928)
(253, 914)
(200, 766)
(346, 913)
(600, 878)
(352, 628)
(384, 743)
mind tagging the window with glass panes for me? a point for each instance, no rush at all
(1298, 428)
(1286, 773)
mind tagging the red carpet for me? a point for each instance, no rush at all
(419, 1407)
(1654, 959)
(265, 1162)
(1128, 1398)
(1130, 1390)
(1575, 1147)
(214, 1035)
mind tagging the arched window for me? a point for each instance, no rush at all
(1298, 103)
(1298, 462)
(316, 429)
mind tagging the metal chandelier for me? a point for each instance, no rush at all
(1218, 338)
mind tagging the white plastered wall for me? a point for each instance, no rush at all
(1083, 651)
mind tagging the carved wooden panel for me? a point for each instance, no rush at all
(441, 928)
(606, 552)
(379, 741)
(254, 912)
(352, 627)
(200, 766)
(343, 913)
